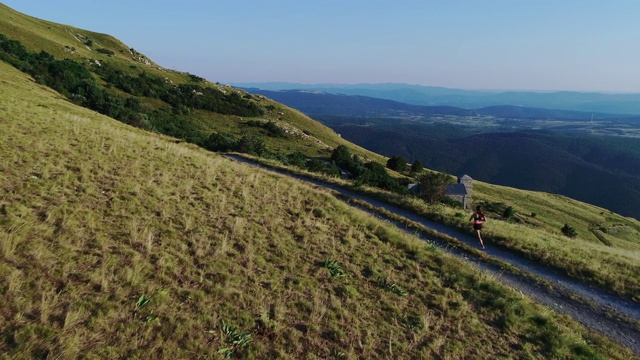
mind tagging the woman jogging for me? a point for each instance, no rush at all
(478, 219)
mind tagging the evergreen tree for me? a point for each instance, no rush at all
(397, 163)
(417, 167)
(341, 156)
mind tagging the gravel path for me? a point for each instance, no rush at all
(608, 314)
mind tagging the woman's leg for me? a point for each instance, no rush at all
(480, 238)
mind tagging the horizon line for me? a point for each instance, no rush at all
(606, 92)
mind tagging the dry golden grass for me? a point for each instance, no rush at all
(121, 244)
(606, 252)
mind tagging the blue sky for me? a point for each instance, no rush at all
(584, 45)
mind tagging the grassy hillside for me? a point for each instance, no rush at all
(605, 253)
(117, 68)
(610, 263)
(117, 243)
(64, 41)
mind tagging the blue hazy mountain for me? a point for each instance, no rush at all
(472, 99)
(318, 102)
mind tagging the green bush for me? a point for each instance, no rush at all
(105, 51)
(397, 163)
(568, 231)
(220, 142)
(508, 213)
(371, 173)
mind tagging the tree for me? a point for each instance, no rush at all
(433, 186)
(341, 156)
(397, 163)
(417, 167)
(356, 166)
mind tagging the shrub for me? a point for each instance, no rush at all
(297, 159)
(508, 212)
(195, 78)
(568, 231)
(371, 173)
(341, 156)
(251, 145)
(220, 142)
(105, 51)
(273, 129)
(397, 163)
(317, 165)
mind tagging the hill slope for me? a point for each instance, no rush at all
(118, 81)
(119, 243)
(209, 114)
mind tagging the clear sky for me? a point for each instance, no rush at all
(583, 45)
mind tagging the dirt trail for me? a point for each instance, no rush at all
(606, 313)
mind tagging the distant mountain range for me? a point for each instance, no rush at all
(315, 102)
(323, 103)
(472, 99)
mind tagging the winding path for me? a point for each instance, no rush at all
(609, 314)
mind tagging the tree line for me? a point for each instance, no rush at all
(76, 81)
